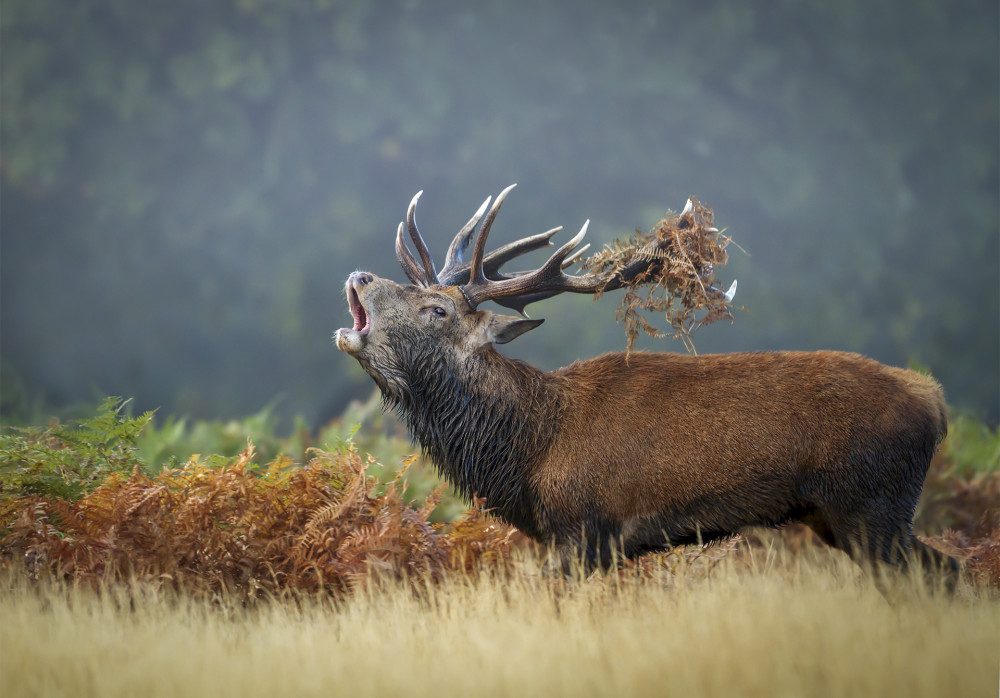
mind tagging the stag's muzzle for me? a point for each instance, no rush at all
(352, 339)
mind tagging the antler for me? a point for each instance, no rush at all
(481, 279)
(518, 289)
(456, 270)
(427, 275)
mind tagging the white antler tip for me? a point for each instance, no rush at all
(688, 207)
(579, 236)
(731, 293)
(502, 195)
(482, 209)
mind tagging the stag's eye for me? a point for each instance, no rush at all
(439, 311)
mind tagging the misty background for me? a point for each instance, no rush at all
(186, 185)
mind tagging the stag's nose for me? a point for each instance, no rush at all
(361, 278)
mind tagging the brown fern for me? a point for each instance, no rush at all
(319, 528)
(680, 284)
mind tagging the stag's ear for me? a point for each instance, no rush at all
(501, 329)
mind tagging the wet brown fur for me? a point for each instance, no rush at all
(608, 457)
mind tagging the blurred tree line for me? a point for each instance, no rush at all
(186, 185)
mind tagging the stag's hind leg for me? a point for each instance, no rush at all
(849, 534)
(936, 565)
(879, 538)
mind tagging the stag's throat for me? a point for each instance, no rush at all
(483, 424)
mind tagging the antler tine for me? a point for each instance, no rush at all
(575, 257)
(407, 261)
(567, 263)
(425, 255)
(563, 252)
(518, 303)
(460, 273)
(476, 265)
(500, 256)
(453, 261)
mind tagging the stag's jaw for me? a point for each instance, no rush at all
(352, 340)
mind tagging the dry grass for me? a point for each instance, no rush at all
(760, 621)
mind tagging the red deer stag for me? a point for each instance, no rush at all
(611, 457)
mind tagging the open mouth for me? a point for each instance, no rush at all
(362, 321)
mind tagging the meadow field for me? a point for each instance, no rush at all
(785, 624)
(326, 573)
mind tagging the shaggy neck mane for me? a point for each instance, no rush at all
(482, 422)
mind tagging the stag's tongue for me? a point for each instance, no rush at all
(361, 323)
(360, 318)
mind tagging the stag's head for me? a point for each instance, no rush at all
(402, 328)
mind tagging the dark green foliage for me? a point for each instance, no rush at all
(363, 425)
(962, 489)
(69, 460)
(973, 447)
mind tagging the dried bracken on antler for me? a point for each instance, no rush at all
(670, 270)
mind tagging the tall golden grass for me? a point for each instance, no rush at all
(756, 621)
